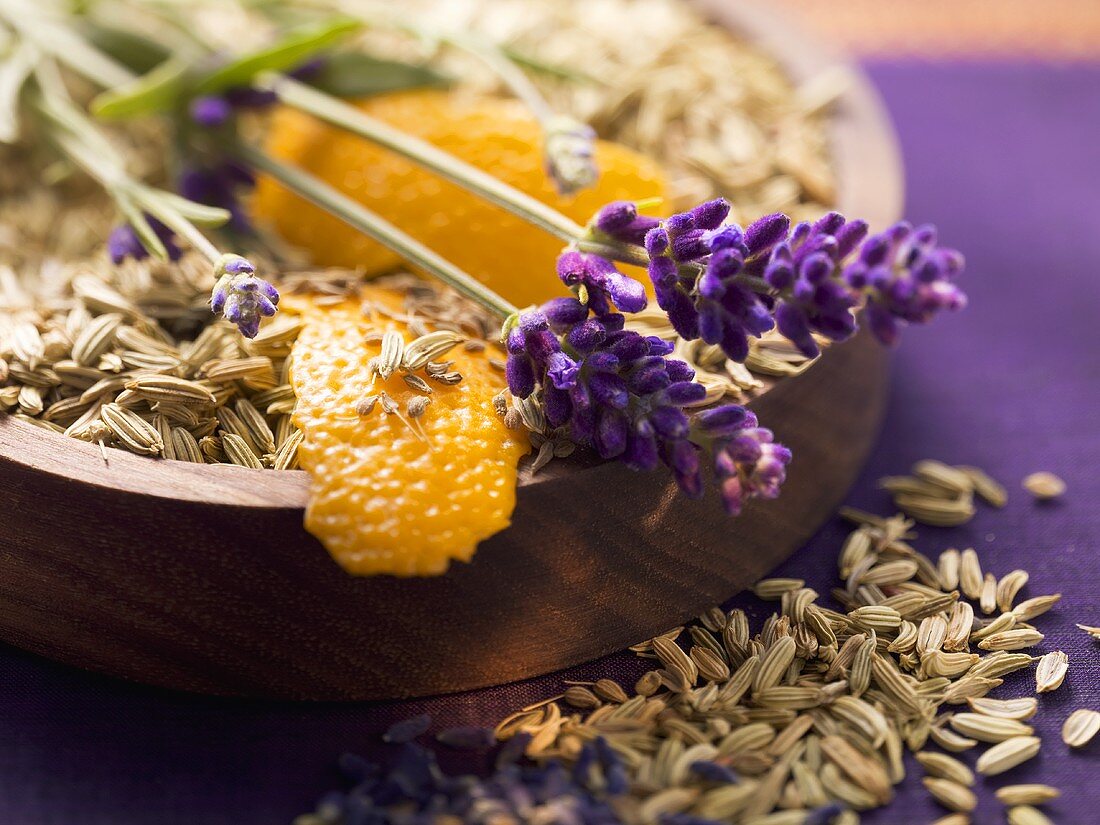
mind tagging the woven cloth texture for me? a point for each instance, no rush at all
(1004, 158)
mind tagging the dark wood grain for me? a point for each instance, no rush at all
(203, 578)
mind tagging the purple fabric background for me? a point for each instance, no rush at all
(1005, 159)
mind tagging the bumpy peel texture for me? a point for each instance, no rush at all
(382, 500)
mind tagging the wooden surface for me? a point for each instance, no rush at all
(202, 577)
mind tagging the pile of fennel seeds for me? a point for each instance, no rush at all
(815, 709)
(757, 140)
(129, 356)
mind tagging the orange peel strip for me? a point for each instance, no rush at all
(383, 498)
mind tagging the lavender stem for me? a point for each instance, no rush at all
(377, 228)
(324, 107)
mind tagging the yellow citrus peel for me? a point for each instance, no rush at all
(502, 251)
(389, 494)
(383, 497)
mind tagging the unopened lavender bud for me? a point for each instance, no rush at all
(570, 154)
(240, 296)
(210, 111)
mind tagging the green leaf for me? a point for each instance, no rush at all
(134, 216)
(137, 53)
(352, 74)
(198, 213)
(157, 91)
(293, 49)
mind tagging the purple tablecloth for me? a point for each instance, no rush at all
(1005, 159)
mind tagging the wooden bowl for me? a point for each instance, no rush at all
(202, 577)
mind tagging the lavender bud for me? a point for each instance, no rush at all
(240, 296)
(562, 370)
(616, 216)
(669, 423)
(570, 154)
(520, 375)
(724, 420)
(906, 277)
(764, 233)
(564, 312)
(713, 772)
(685, 393)
(620, 220)
(611, 431)
(606, 287)
(710, 214)
(210, 111)
(123, 243)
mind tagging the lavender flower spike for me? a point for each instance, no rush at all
(698, 265)
(805, 271)
(747, 461)
(618, 393)
(570, 154)
(240, 296)
(907, 278)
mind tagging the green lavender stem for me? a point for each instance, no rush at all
(53, 36)
(84, 146)
(336, 112)
(92, 64)
(377, 228)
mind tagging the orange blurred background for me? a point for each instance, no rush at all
(976, 29)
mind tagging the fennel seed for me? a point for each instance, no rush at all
(1044, 486)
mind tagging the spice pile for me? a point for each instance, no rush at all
(941, 495)
(125, 356)
(109, 354)
(147, 324)
(806, 720)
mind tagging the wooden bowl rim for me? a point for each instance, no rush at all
(862, 144)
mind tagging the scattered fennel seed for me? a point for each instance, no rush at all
(1080, 727)
(1044, 486)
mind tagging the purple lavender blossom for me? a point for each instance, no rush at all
(747, 461)
(618, 393)
(804, 269)
(210, 111)
(701, 269)
(606, 288)
(907, 278)
(724, 285)
(713, 771)
(123, 242)
(220, 185)
(620, 221)
(240, 296)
